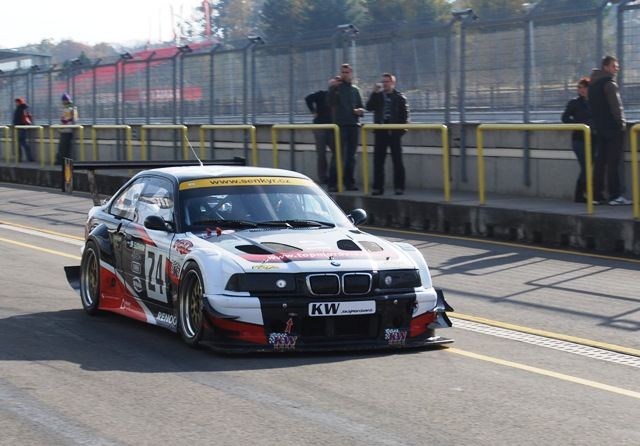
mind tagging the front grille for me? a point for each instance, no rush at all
(323, 329)
(323, 284)
(356, 283)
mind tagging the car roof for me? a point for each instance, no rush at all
(187, 173)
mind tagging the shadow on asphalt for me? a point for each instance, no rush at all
(110, 342)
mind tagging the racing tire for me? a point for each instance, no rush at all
(190, 305)
(90, 278)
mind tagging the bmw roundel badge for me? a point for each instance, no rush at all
(335, 263)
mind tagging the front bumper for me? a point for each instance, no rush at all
(287, 325)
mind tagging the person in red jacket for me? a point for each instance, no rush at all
(22, 116)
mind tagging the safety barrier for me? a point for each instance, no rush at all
(7, 142)
(64, 126)
(336, 135)
(128, 136)
(252, 133)
(536, 127)
(633, 134)
(445, 150)
(143, 141)
(16, 143)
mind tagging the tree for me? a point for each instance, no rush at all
(385, 11)
(281, 19)
(493, 9)
(235, 19)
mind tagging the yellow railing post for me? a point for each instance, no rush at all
(535, 127)
(7, 141)
(633, 133)
(445, 150)
(65, 126)
(336, 134)
(128, 136)
(40, 130)
(143, 142)
(249, 127)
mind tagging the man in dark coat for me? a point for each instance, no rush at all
(389, 107)
(609, 124)
(319, 107)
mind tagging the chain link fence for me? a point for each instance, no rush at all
(515, 69)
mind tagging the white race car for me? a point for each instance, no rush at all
(253, 259)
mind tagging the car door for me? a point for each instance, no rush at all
(146, 250)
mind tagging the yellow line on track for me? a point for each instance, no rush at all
(548, 334)
(46, 231)
(38, 248)
(544, 372)
(509, 244)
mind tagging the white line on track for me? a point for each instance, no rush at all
(36, 233)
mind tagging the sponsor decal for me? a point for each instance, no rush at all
(166, 319)
(289, 326)
(138, 285)
(136, 268)
(265, 267)
(283, 341)
(289, 256)
(395, 336)
(245, 181)
(183, 246)
(342, 308)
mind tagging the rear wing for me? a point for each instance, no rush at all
(69, 166)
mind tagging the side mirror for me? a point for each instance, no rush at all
(357, 216)
(156, 223)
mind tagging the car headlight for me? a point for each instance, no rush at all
(399, 279)
(262, 283)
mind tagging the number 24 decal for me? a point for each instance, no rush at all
(156, 283)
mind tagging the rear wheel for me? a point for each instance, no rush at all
(190, 298)
(90, 278)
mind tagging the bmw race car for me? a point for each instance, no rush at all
(253, 259)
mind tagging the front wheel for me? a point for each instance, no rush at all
(190, 311)
(90, 278)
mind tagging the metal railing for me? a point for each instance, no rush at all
(16, 142)
(128, 136)
(633, 134)
(51, 147)
(336, 135)
(143, 133)
(249, 127)
(445, 150)
(536, 127)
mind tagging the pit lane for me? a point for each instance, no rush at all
(61, 368)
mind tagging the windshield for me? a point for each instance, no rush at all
(249, 202)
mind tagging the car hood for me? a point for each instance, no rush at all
(307, 250)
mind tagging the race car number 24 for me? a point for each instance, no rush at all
(155, 270)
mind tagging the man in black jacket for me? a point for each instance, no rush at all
(389, 107)
(577, 111)
(609, 124)
(319, 107)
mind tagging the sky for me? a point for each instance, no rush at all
(90, 21)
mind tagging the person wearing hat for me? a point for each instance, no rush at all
(69, 117)
(22, 116)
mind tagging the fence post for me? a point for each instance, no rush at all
(620, 42)
(292, 144)
(526, 106)
(148, 87)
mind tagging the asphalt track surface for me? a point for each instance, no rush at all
(67, 378)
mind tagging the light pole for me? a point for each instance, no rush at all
(349, 31)
(464, 16)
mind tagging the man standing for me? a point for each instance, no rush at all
(319, 107)
(346, 104)
(69, 117)
(609, 125)
(389, 106)
(22, 116)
